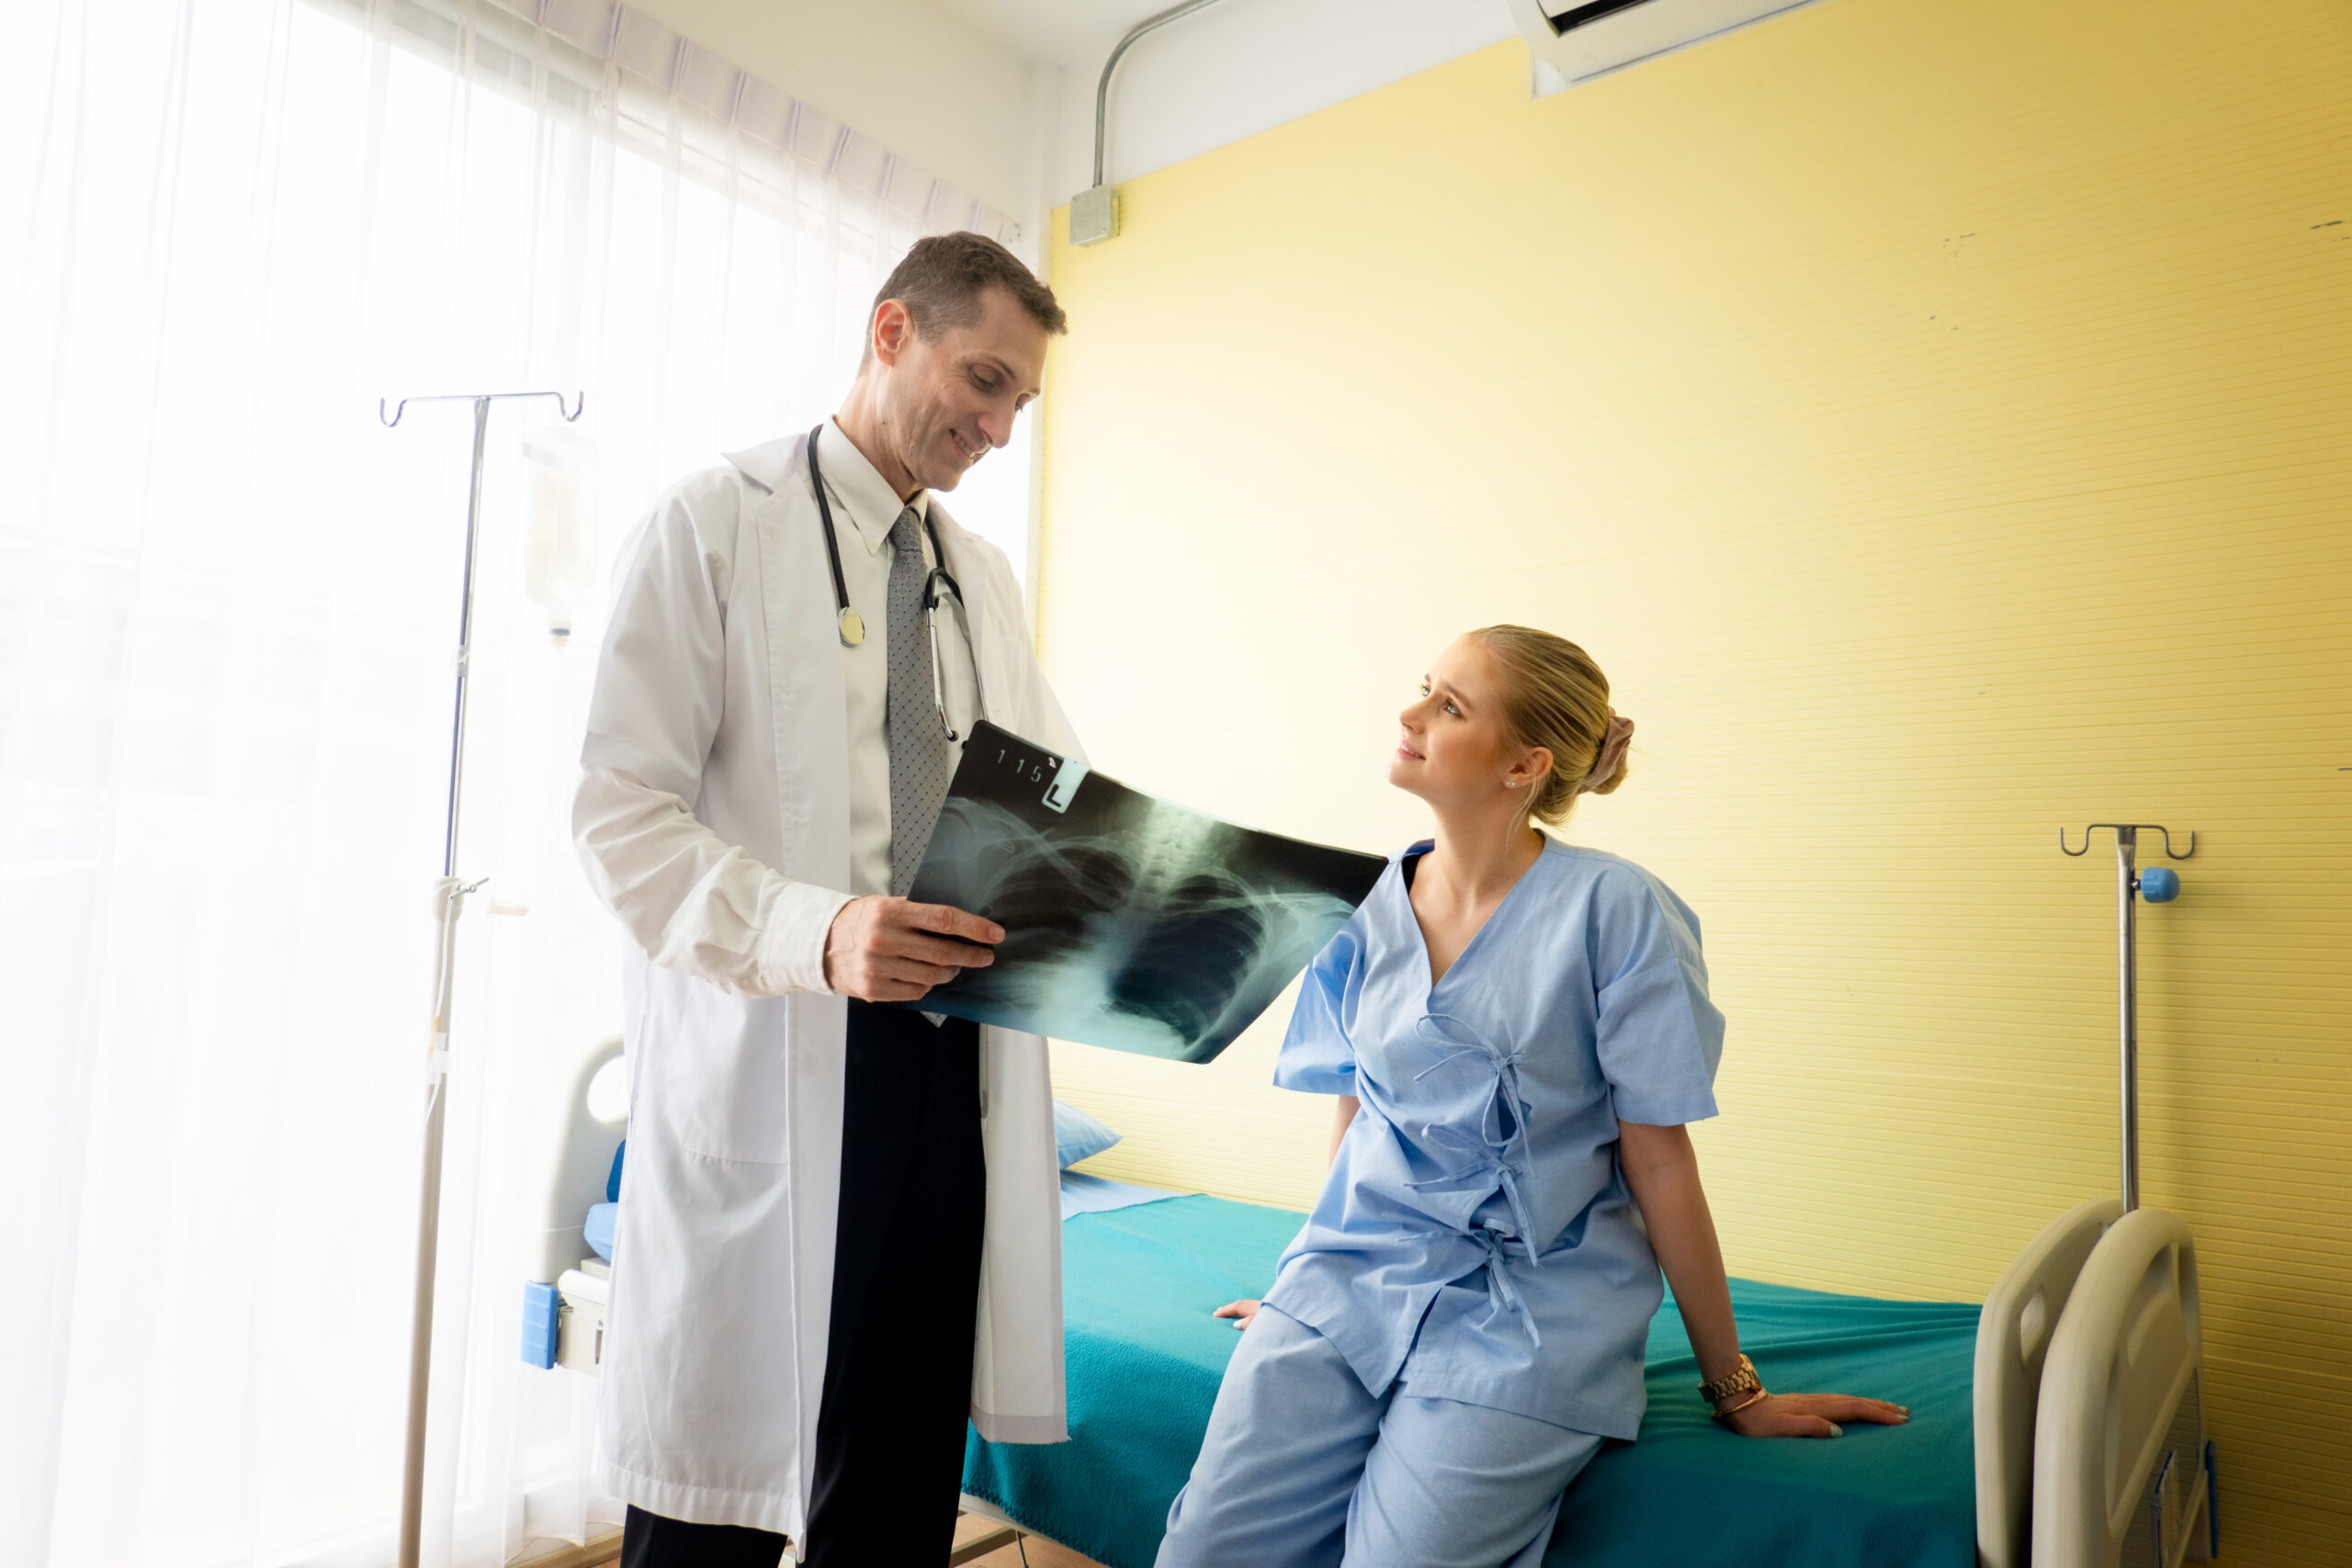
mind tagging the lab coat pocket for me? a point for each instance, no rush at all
(720, 1070)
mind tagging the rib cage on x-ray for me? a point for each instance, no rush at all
(1130, 922)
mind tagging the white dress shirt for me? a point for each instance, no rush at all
(767, 936)
(863, 498)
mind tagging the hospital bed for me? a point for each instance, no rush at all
(1957, 1486)
(2058, 1424)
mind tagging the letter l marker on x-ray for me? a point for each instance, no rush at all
(1063, 787)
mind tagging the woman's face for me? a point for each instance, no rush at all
(1454, 751)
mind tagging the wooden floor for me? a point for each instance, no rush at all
(1043, 1554)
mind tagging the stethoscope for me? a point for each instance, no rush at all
(937, 585)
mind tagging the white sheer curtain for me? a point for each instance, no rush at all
(227, 610)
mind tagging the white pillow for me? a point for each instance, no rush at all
(1077, 1135)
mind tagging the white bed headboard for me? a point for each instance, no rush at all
(2119, 1462)
(580, 1148)
(2012, 1339)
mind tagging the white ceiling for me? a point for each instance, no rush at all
(1223, 73)
(1080, 34)
(1059, 32)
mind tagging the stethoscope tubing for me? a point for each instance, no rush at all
(937, 584)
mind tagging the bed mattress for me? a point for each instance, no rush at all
(1145, 1357)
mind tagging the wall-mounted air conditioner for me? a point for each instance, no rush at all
(1580, 40)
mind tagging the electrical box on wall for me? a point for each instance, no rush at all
(1094, 215)
(1577, 41)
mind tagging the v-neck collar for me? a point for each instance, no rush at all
(1430, 980)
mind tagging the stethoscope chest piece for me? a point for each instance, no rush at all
(937, 585)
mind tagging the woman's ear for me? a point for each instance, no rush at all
(1532, 770)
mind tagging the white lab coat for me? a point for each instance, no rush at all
(715, 1352)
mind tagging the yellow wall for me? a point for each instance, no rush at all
(1937, 420)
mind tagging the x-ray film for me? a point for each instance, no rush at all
(1128, 921)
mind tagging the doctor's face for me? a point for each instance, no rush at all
(945, 401)
(1455, 750)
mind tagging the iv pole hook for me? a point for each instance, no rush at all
(391, 420)
(2136, 827)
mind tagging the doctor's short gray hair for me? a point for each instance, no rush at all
(1554, 696)
(940, 278)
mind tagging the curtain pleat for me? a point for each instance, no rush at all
(228, 608)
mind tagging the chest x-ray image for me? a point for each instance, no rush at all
(1129, 922)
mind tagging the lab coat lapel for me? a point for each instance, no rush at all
(806, 692)
(1019, 1394)
(808, 708)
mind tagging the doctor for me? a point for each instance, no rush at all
(840, 1230)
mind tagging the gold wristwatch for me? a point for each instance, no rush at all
(1741, 1379)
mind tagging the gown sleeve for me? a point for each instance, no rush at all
(1660, 1036)
(1318, 1055)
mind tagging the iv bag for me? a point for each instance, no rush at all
(559, 559)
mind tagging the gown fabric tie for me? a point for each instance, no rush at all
(1497, 1151)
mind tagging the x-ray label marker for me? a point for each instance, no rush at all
(1063, 788)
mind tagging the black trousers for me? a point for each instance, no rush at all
(891, 1431)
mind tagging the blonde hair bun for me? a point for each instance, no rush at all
(1554, 696)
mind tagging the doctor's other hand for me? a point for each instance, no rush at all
(1811, 1415)
(1246, 1311)
(894, 950)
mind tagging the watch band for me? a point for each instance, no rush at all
(1739, 1380)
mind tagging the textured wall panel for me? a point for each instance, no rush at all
(1937, 420)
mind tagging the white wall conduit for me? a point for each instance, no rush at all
(1094, 211)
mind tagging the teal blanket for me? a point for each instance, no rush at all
(1145, 1357)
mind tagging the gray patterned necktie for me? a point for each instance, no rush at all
(918, 762)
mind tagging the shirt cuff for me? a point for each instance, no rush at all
(792, 939)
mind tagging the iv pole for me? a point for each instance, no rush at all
(448, 902)
(2157, 886)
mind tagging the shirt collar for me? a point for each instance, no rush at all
(858, 489)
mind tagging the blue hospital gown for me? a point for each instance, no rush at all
(1475, 1240)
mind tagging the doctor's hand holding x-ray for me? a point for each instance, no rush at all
(800, 1321)
(894, 950)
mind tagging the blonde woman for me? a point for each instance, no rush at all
(1516, 1032)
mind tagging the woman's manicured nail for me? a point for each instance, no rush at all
(1836, 1430)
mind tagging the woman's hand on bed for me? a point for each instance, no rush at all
(1811, 1415)
(1245, 1311)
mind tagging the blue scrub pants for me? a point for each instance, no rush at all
(1303, 1469)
